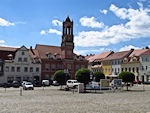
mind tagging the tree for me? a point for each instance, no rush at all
(83, 76)
(98, 76)
(61, 77)
(127, 77)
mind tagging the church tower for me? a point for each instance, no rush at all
(67, 44)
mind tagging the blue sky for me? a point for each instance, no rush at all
(99, 25)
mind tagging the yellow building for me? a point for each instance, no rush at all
(106, 66)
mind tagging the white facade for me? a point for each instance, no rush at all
(145, 67)
(116, 67)
(22, 68)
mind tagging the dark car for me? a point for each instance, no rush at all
(7, 85)
(16, 84)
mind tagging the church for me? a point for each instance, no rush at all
(55, 58)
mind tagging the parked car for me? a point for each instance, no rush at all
(16, 84)
(45, 82)
(28, 85)
(7, 85)
(72, 83)
(55, 83)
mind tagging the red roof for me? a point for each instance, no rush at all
(8, 49)
(118, 55)
(139, 52)
(44, 49)
(99, 56)
(34, 54)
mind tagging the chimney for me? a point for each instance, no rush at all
(32, 50)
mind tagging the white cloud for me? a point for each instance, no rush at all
(137, 26)
(84, 52)
(57, 23)
(54, 31)
(2, 41)
(4, 22)
(43, 32)
(91, 22)
(3, 45)
(128, 48)
(104, 11)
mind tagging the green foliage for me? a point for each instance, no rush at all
(83, 76)
(98, 76)
(127, 77)
(61, 77)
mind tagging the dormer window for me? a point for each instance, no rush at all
(49, 55)
(125, 60)
(134, 59)
(58, 56)
(80, 57)
(36, 60)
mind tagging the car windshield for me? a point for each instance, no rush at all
(75, 81)
(28, 83)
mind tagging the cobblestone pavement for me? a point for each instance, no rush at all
(53, 100)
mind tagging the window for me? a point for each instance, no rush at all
(19, 59)
(69, 67)
(125, 69)
(12, 69)
(25, 69)
(47, 67)
(129, 69)
(0, 68)
(68, 52)
(77, 67)
(37, 69)
(82, 66)
(18, 69)
(137, 69)
(7, 69)
(112, 70)
(60, 66)
(23, 53)
(31, 69)
(146, 67)
(121, 69)
(53, 67)
(133, 69)
(25, 59)
(118, 70)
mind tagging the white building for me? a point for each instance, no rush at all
(26, 66)
(145, 66)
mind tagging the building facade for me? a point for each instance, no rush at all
(24, 65)
(132, 62)
(145, 66)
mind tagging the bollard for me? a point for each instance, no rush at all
(20, 91)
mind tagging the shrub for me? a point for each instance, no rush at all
(98, 76)
(83, 76)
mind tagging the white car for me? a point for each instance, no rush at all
(28, 85)
(72, 83)
(45, 82)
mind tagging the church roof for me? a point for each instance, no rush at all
(68, 19)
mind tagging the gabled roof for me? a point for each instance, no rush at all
(118, 55)
(8, 49)
(44, 49)
(99, 56)
(139, 52)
